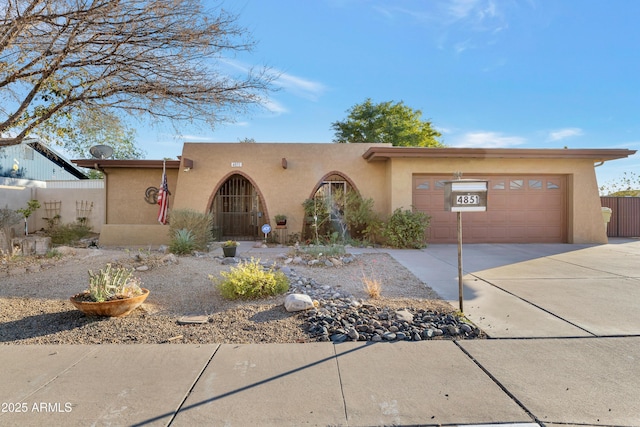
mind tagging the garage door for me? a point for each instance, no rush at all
(520, 209)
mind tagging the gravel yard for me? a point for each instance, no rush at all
(35, 307)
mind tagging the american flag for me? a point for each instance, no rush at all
(163, 198)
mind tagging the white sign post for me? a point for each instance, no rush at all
(266, 229)
(464, 195)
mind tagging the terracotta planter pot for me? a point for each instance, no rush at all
(229, 251)
(115, 308)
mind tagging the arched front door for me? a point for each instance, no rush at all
(237, 210)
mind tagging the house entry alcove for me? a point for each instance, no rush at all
(237, 210)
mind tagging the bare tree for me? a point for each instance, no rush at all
(156, 58)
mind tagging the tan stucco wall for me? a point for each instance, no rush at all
(387, 182)
(125, 194)
(584, 217)
(134, 235)
(282, 190)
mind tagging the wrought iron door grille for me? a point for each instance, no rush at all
(236, 209)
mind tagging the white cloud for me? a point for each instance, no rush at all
(442, 130)
(488, 140)
(296, 85)
(274, 106)
(559, 134)
(461, 9)
(459, 25)
(299, 86)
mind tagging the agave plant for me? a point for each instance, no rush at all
(183, 242)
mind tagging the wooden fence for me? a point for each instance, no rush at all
(625, 216)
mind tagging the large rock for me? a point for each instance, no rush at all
(298, 302)
(32, 245)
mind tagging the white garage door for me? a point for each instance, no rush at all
(520, 209)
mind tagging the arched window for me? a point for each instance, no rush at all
(326, 209)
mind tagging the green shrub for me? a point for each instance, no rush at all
(182, 242)
(324, 250)
(199, 224)
(344, 217)
(66, 234)
(251, 280)
(53, 253)
(405, 229)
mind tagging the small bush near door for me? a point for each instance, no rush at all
(405, 229)
(199, 224)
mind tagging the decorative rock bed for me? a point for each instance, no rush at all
(340, 317)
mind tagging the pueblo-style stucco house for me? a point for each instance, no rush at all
(534, 195)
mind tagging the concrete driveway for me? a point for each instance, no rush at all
(539, 290)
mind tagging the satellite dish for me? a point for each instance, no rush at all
(101, 151)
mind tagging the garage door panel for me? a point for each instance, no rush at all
(441, 233)
(476, 233)
(516, 201)
(499, 233)
(498, 217)
(498, 202)
(519, 209)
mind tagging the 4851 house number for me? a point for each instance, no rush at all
(468, 199)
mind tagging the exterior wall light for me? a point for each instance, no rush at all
(187, 164)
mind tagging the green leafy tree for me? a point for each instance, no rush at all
(161, 60)
(101, 127)
(32, 206)
(626, 185)
(388, 122)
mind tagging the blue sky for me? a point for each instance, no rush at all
(487, 73)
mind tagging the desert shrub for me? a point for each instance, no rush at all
(67, 234)
(359, 216)
(53, 253)
(199, 224)
(405, 229)
(318, 251)
(251, 280)
(372, 286)
(345, 217)
(182, 242)
(317, 218)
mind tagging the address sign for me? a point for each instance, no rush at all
(465, 196)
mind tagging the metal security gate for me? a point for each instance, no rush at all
(236, 210)
(625, 218)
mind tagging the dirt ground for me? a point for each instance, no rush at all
(35, 307)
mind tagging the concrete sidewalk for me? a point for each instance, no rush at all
(564, 350)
